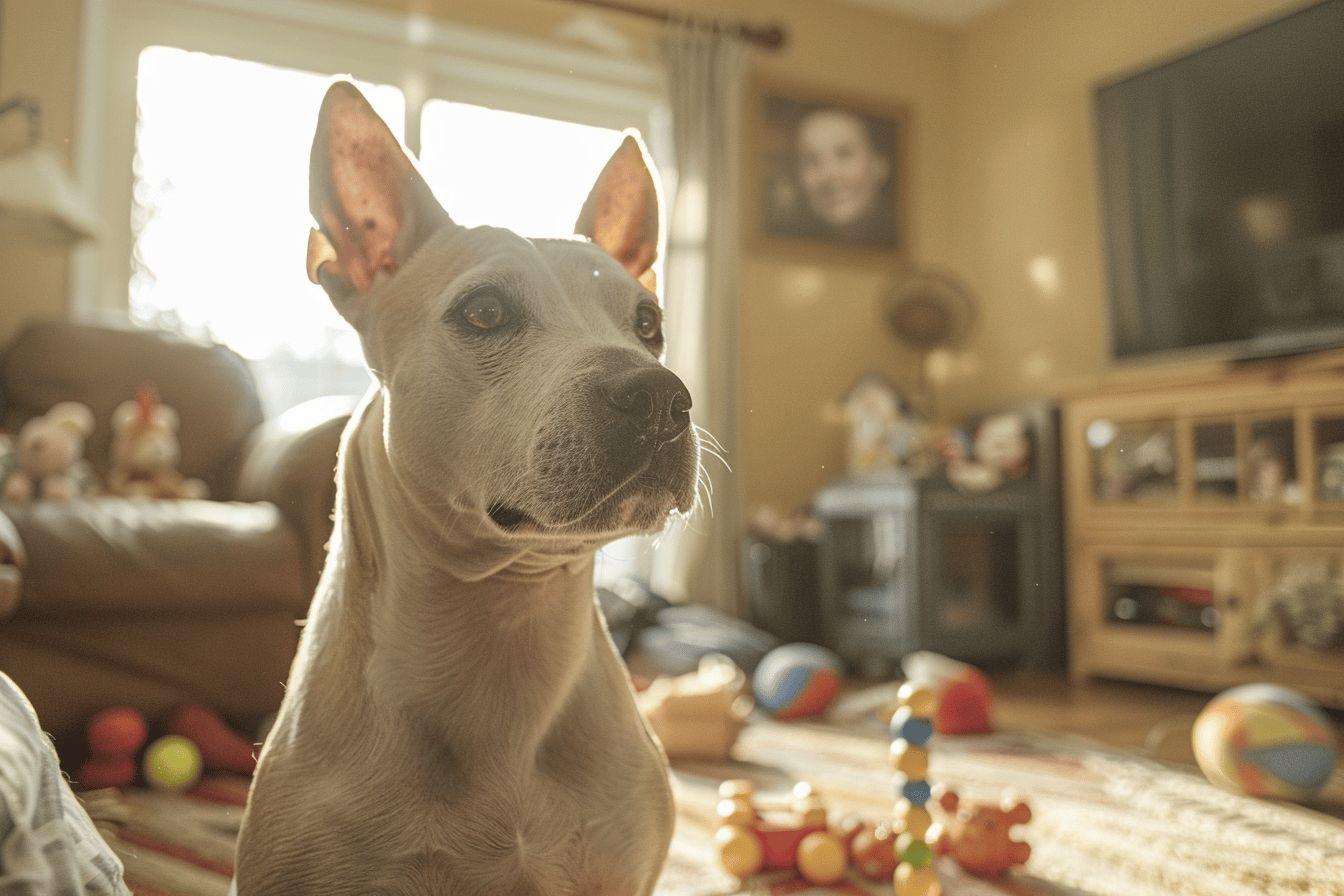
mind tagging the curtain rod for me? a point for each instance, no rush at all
(768, 37)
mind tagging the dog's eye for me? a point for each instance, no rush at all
(485, 310)
(648, 323)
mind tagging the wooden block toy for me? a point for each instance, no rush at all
(912, 733)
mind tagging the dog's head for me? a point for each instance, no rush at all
(521, 379)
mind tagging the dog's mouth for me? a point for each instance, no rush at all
(510, 519)
(631, 508)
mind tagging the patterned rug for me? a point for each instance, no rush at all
(1105, 823)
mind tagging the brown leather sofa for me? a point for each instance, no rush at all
(154, 603)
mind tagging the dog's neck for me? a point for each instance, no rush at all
(457, 623)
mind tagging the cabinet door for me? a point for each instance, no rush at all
(1172, 615)
(1299, 618)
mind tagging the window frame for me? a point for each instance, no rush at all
(426, 58)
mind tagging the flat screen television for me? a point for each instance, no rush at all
(1222, 190)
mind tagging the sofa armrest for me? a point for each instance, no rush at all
(12, 560)
(291, 462)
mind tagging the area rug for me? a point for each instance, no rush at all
(1106, 823)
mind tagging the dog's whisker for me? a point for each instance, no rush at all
(708, 436)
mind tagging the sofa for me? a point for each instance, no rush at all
(147, 603)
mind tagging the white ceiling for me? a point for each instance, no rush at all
(942, 12)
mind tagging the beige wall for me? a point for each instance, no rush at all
(1026, 178)
(38, 52)
(1001, 172)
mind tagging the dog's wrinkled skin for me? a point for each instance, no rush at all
(457, 720)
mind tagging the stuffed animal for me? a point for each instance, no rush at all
(978, 836)
(145, 451)
(46, 459)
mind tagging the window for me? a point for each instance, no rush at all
(220, 215)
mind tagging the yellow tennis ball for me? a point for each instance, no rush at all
(173, 764)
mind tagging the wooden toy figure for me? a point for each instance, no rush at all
(794, 838)
(911, 731)
(979, 836)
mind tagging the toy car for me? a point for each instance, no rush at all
(798, 837)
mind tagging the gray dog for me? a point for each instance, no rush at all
(457, 720)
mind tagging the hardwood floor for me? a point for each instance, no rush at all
(1153, 720)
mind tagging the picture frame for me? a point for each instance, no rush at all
(827, 173)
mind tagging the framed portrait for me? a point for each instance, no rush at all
(828, 172)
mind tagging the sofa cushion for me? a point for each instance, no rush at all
(123, 556)
(209, 386)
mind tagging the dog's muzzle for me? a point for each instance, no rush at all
(653, 401)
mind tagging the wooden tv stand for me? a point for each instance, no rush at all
(1191, 494)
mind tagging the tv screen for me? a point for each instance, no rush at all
(1222, 188)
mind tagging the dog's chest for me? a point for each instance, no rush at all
(537, 839)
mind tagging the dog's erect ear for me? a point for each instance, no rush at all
(372, 207)
(621, 212)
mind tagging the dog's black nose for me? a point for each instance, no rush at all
(654, 400)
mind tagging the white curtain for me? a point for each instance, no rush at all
(697, 562)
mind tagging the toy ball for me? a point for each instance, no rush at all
(172, 764)
(1265, 740)
(98, 772)
(119, 731)
(822, 858)
(797, 680)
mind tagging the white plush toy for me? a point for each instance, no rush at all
(145, 451)
(46, 459)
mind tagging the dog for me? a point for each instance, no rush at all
(457, 720)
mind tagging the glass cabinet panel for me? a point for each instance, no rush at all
(1160, 593)
(1329, 435)
(979, 577)
(1132, 461)
(1299, 607)
(1271, 463)
(1215, 461)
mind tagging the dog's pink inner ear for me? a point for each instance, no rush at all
(621, 212)
(371, 205)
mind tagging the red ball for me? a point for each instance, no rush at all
(99, 772)
(117, 732)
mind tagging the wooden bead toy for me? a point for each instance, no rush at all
(911, 881)
(912, 732)
(912, 818)
(921, 700)
(909, 760)
(822, 858)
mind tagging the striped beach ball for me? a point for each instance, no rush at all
(797, 680)
(1265, 740)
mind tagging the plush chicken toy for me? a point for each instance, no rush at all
(145, 451)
